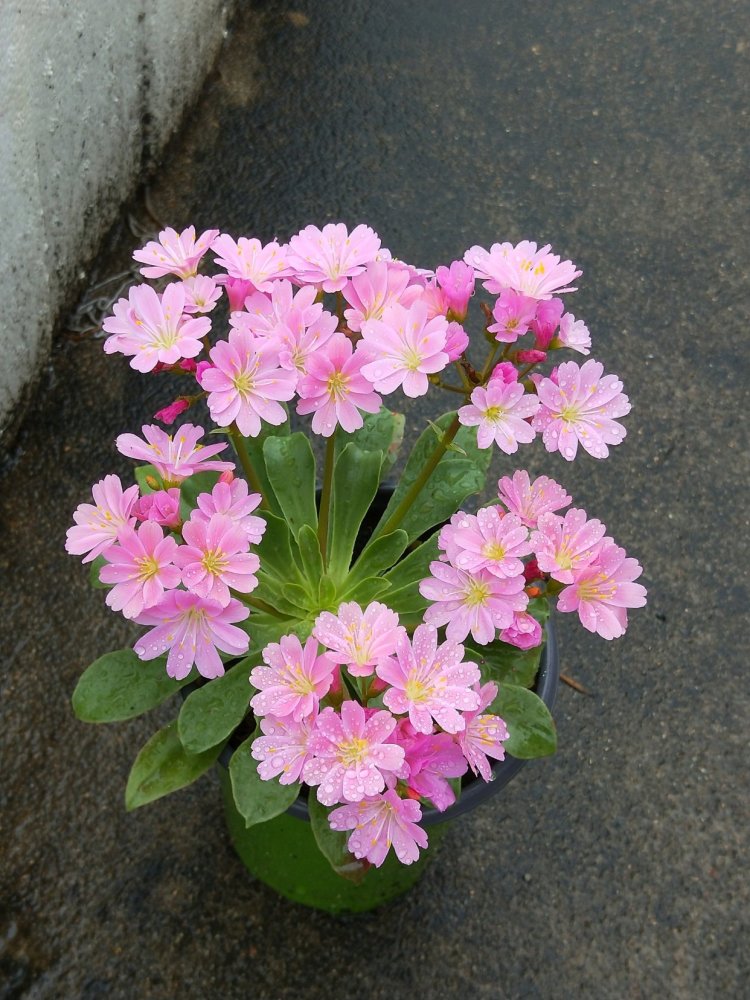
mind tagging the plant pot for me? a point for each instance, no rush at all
(283, 853)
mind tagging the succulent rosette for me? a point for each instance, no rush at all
(379, 648)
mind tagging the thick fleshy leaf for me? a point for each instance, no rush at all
(539, 608)
(355, 482)
(501, 662)
(278, 552)
(148, 479)
(297, 597)
(406, 575)
(254, 448)
(211, 713)
(120, 686)
(163, 766)
(290, 465)
(381, 555)
(332, 843)
(371, 589)
(382, 431)
(530, 725)
(312, 560)
(456, 477)
(326, 592)
(94, 568)
(257, 800)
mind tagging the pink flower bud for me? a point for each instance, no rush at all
(200, 368)
(505, 372)
(237, 290)
(531, 357)
(545, 323)
(532, 572)
(170, 413)
(227, 477)
(457, 282)
(188, 365)
(162, 507)
(457, 341)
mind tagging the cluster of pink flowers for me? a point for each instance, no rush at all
(478, 586)
(398, 327)
(176, 576)
(373, 764)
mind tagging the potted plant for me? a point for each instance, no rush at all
(361, 660)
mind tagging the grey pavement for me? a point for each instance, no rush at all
(618, 869)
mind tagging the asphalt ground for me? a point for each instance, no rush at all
(617, 132)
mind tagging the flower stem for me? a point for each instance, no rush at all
(325, 497)
(416, 487)
(247, 466)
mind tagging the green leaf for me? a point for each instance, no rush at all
(201, 482)
(211, 713)
(277, 551)
(290, 464)
(355, 482)
(163, 766)
(326, 591)
(530, 725)
(312, 560)
(120, 686)
(257, 800)
(254, 446)
(145, 472)
(539, 608)
(297, 596)
(501, 662)
(94, 568)
(368, 590)
(332, 843)
(454, 479)
(405, 577)
(382, 431)
(380, 555)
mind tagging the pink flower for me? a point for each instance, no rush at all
(192, 629)
(465, 602)
(359, 639)
(174, 254)
(245, 383)
(96, 525)
(564, 545)
(329, 256)
(379, 823)
(457, 282)
(523, 268)
(334, 389)
(283, 748)
(403, 348)
(546, 321)
(380, 285)
(491, 541)
(152, 328)
(429, 681)
(294, 681)
(530, 357)
(431, 760)
(215, 558)
(574, 333)
(528, 500)
(264, 314)
(237, 290)
(505, 372)
(170, 413)
(250, 260)
(162, 507)
(524, 633)
(484, 735)
(142, 567)
(513, 313)
(201, 294)
(351, 753)
(456, 341)
(434, 299)
(581, 407)
(296, 341)
(500, 410)
(235, 501)
(601, 591)
(174, 456)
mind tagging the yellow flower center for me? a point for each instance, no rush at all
(417, 690)
(493, 413)
(411, 359)
(148, 567)
(570, 414)
(243, 382)
(493, 550)
(337, 385)
(476, 593)
(598, 588)
(214, 561)
(353, 751)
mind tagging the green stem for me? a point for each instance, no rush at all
(489, 363)
(247, 466)
(416, 487)
(325, 496)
